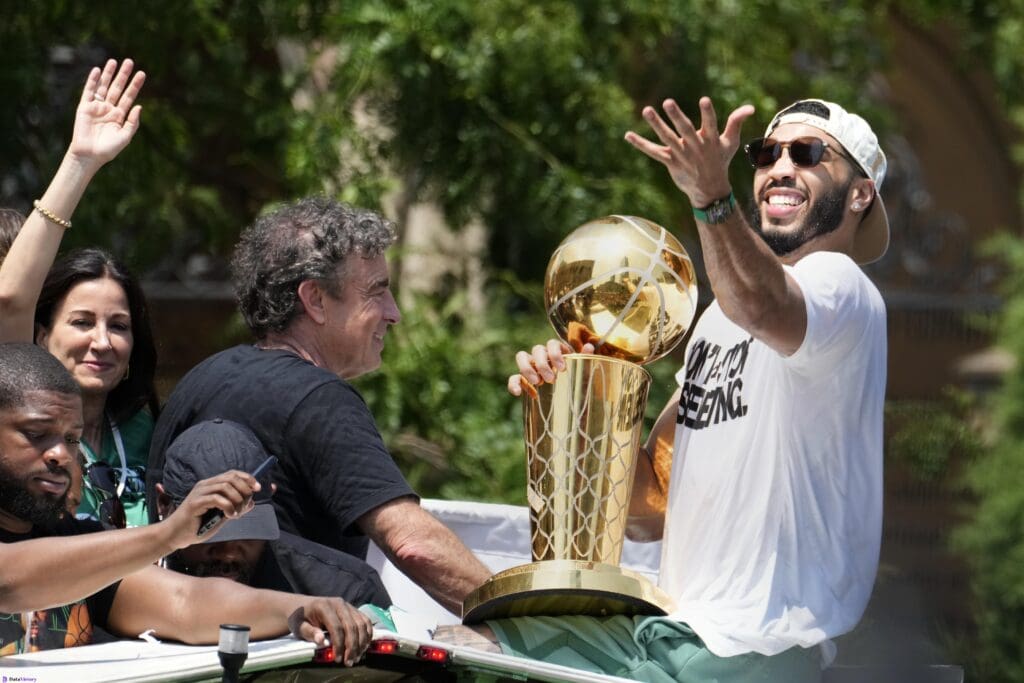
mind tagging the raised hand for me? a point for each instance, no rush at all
(107, 116)
(697, 160)
(105, 122)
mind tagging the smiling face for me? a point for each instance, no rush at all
(38, 446)
(794, 204)
(356, 320)
(91, 334)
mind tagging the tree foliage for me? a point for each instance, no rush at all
(514, 111)
(993, 541)
(506, 110)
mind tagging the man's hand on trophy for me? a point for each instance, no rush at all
(541, 365)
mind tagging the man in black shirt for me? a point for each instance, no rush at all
(49, 562)
(252, 549)
(312, 283)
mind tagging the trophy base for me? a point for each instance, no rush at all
(562, 587)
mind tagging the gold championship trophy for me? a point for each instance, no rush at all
(628, 287)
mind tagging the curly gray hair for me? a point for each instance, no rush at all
(307, 240)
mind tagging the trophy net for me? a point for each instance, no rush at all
(582, 437)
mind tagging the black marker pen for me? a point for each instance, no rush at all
(214, 515)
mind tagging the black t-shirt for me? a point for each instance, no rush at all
(297, 565)
(79, 623)
(333, 466)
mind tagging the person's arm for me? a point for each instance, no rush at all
(44, 572)
(190, 610)
(426, 550)
(105, 122)
(747, 278)
(646, 521)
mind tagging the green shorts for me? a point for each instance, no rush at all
(652, 649)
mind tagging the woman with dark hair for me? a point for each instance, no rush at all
(92, 317)
(106, 120)
(89, 294)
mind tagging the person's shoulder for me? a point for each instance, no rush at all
(830, 261)
(275, 362)
(141, 420)
(68, 525)
(232, 355)
(318, 569)
(833, 269)
(293, 543)
(249, 362)
(211, 365)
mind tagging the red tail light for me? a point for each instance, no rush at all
(433, 654)
(384, 646)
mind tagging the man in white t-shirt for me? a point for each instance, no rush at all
(774, 503)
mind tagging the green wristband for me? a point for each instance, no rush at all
(717, 211)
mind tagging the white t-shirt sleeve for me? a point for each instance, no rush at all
(842, 305)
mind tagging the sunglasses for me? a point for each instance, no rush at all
(102, 478)
(803, 152)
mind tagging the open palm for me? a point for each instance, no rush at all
(107, 116)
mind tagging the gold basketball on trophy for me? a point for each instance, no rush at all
(624, 284)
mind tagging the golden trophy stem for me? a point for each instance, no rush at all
(563, 541)
(582, 439)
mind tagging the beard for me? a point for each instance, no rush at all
(236, 571)
(825, 216)
(42, 510)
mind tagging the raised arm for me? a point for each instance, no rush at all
(748, 280)
(44, 572)
(105, 122)
(426, 550)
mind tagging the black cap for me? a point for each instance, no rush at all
(210, 448)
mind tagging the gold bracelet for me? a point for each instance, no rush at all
(63, 222)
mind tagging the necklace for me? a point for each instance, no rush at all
(279, 346)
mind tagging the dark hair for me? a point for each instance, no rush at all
(82, 265)
(807, 107)
(306, 240)
(10, 223)
(26, 367)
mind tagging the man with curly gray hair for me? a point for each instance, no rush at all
(307, 240)
(312, 283)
